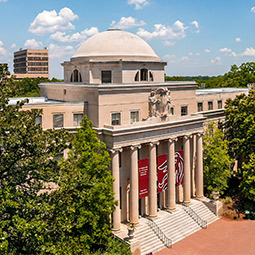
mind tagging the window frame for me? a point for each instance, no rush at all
(115, 113)
(184, 107)
(102, 77)
(220, 103)
(58, 114)
(198, 106)
(77, 124)
(210, 105)
(138, 115)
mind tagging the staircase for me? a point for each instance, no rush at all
(175, 226)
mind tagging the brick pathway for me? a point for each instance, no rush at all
(223, 237)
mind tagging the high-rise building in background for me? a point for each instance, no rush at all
(31, 63)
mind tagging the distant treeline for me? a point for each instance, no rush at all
(238, 76)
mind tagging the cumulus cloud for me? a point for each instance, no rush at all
(3, 51)
(169, 43)
(57, 51)
(76, 37)
(13, 46)
(168, 56)
(126, 23)
(139, 4)
(186, 58)
(51, 21)
(238, 39)
(167, 33)
(32, 44)
(196, 25)
(226, 50)
(197, 54)
(233, 54)
(3, 1)
(249, 52)
(207, 51)
(217, 60)
(253, 9)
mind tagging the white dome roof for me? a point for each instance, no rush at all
(116, 43)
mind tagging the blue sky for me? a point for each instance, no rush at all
(195, 37)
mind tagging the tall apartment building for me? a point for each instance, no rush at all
(31, 63)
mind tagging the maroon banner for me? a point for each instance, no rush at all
(162, 173)
(143, 172)
(179, 168)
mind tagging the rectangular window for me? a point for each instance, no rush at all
(77, 118)
(115, 119)
(58, 120)
(184, 110)
(199, 107)
(38, 120)
(172, 110)
(220, 104)
(210, 105)
(120, 159)
(134, 116)
(106, 76)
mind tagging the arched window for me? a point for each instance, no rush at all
(151, 77)
(76, 76)
(137, 76)
(144, 74)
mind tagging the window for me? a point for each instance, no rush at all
(38, 120)
(115, 119)
(144, 74)
(151, 77)
(210, 105)
(184, 110)
(58, 120)
(106, 76)
(134, 116)
(220, 104)
(137, 76)
(199, 107)
(120, 159)
(172, 110)
(76, 76)
(77, 118)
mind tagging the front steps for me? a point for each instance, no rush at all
(176, 226)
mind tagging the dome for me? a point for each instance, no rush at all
(116, 44)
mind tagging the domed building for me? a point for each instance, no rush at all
(152, 128)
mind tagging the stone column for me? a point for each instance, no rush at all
(116, 187)
(171, 203)
(153, 181)
(199, 168)
(134, 196)
(187, 191)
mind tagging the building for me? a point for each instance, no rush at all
(153, 129)
(31, 63)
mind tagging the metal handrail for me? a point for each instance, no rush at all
(164, 239)
(202, 223)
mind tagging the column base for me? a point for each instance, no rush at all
(116, 230)
(171, 210)
(153, 217)
(199, 197)
(186, 203)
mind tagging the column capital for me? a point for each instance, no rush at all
(133, 147)
(172, 139)
(200, 134)
(116, 150)
(154, 143)
(188, 136)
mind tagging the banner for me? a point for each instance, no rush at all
(162, 173)
(143, 172)
(179, 168)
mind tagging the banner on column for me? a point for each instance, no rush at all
(179, 168)
(143, 172)
(162, 173)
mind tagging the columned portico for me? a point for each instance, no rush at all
(153, 180)
(187, 190)
(199, 167)
(134, 210)
(171, 203)
(116, 185)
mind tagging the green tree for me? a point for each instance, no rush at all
(247, 185)
(240, 125)
(26, 165)
(216, 159)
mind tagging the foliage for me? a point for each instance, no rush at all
(216, 159)
(247, 185)
(228, 200)
(26, 165)
(240, 125)
(85, 198)
(4, 71)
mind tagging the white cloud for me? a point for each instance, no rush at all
(226, 50)
(238, 39)
(190, 54)
(32, 44)
(76, 37)
(169, 43)
(13, 46)
(196, 25)
(217, 60)
(207, 51)
(3, 1)
(186, 58)
(56, 51)
(168, 33)
(51, 21)
(167, 56)
(127, 22)
(3, 51)
(197, 54)
(233, 54)
(249, 52)
(139, 4)
(253, 9)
